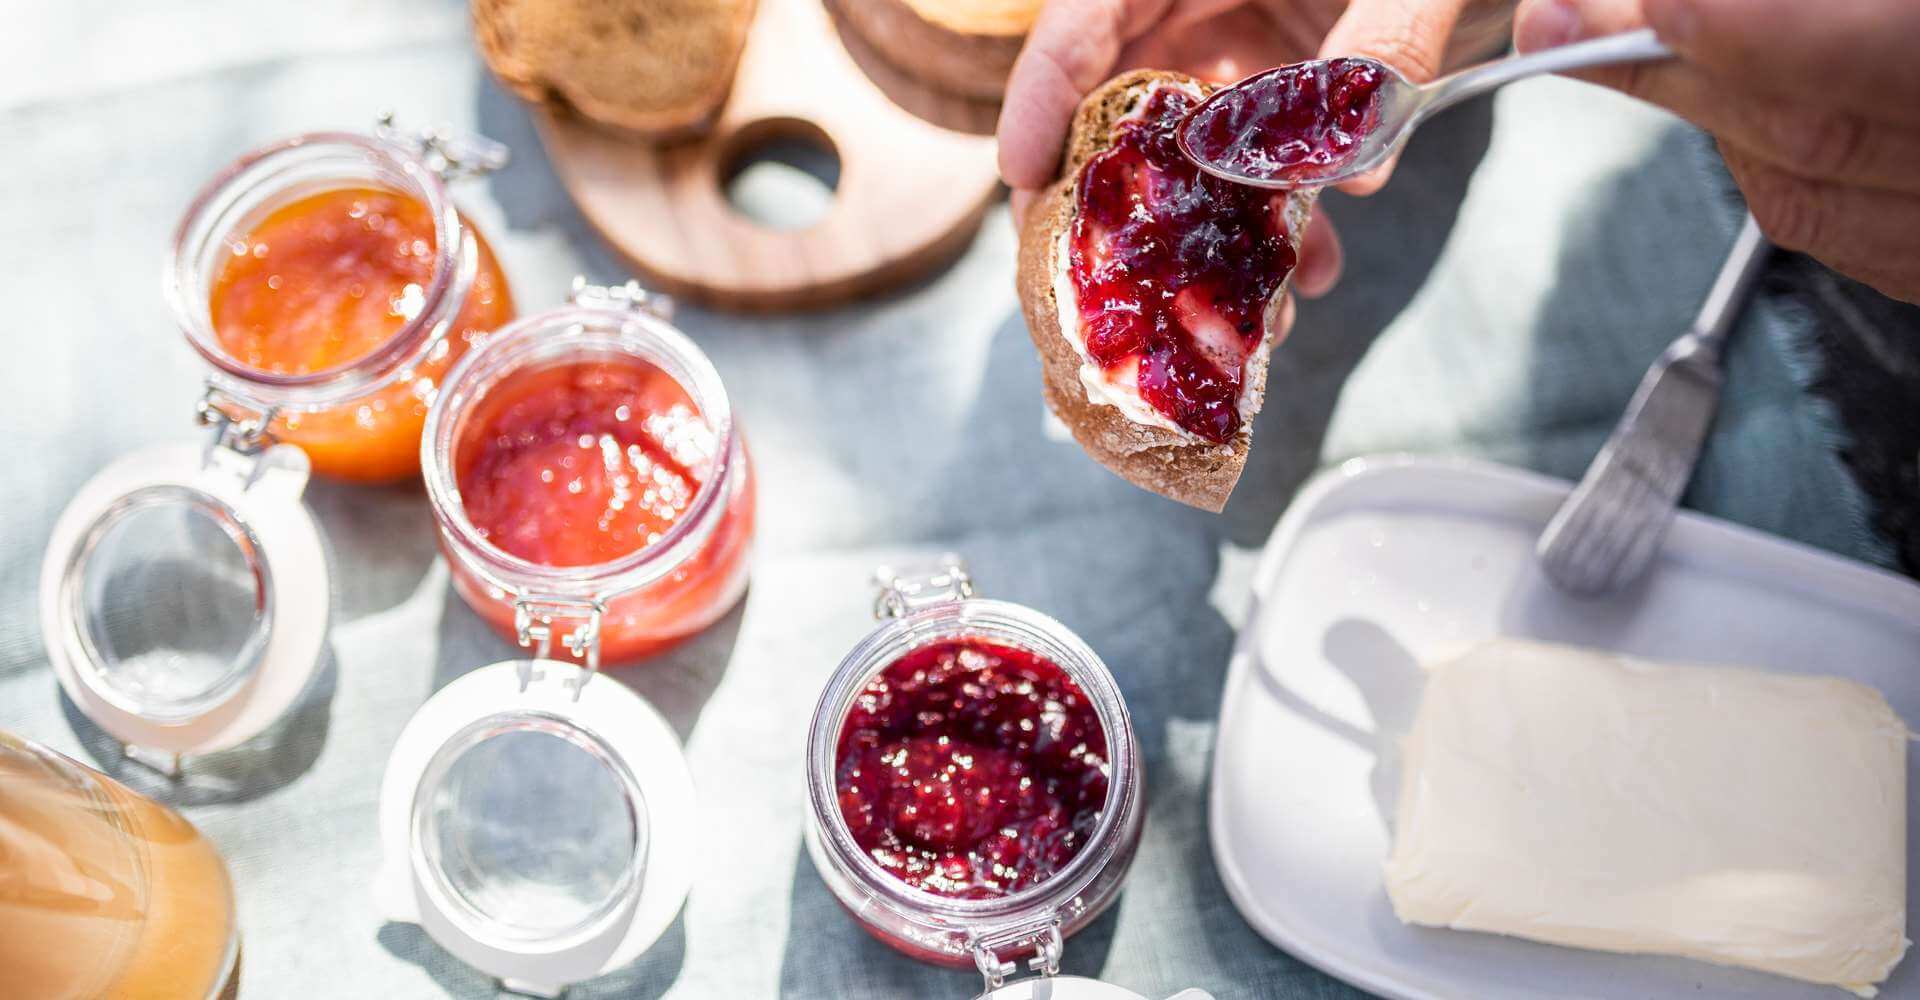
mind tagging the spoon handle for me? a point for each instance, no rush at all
(1628, 46)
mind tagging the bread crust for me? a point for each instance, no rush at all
(626, 64)
(1178, 466)
(972, 64)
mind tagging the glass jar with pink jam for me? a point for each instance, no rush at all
(593, 494)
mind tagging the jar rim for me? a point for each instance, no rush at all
(455, 264)
(551, 337)
(424, 855)
(995, 621)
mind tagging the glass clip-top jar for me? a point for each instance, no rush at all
(538, 823)
(185, 594)
(592, 490)
(974, 784)
(328, 281)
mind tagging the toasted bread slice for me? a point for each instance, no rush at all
(658, 68)
(960, 47)
(1153, 454)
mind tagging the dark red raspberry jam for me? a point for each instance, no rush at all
(1173, 269)
(971, 770)
(1293, 123)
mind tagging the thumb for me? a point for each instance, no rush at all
(1408, 35)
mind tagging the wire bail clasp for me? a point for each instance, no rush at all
(904, 591)
(446, 151)
(537, 619)
(241, 427)
(628, 296)
(1047, 942)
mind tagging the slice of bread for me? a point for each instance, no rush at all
(961, 47)
(658, 68)
(1156, 457)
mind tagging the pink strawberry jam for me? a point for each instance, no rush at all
(1292, 123)
(971, 770)
(1172, 270)
(583, 463)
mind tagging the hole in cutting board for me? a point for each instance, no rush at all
(781, 173)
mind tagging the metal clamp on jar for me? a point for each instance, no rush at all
(591, 487)
(185, 594)
(975, 785)
(538, 823)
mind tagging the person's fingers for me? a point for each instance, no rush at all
(1799, 136)
(1816, 142)
(1790, 73)
(1547, 24)
(1222, 49)
(1857, 231)
(1073, 48)
(1371, 181)
(1857, 54)
(1018, 201)
(1409, 35)
(1320, 258)
(1289, 307)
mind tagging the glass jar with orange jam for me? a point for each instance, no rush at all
(589, 482)
(104, 893)
(330, 283)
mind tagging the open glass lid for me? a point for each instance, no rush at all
(184, 595)
(538, 823)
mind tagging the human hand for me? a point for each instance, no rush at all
(1076, 45)
(1816, 108)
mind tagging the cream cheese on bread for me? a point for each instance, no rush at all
(1119, 388)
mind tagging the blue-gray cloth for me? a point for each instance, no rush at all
(1528, 262)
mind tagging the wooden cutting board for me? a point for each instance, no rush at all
(910, 195)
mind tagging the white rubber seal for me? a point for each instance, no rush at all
(621, 721)
(288, 542)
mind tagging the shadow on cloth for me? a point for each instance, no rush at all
(1663, 225)
(270, 760)
(677, 681)
(1391, 241)
(829, 953)
(645, 978)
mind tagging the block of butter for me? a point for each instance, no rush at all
(1594, 800)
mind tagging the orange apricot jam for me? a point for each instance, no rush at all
(325, 281)
(586, 462)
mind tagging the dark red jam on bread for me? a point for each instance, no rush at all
(1173, 270)
(972, 770)
(1293, 123)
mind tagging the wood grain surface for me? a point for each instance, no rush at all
(910, 193)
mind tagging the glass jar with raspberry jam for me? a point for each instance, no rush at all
(329, 283)
(589, 482)
(974, 784)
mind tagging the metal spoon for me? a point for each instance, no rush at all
(1400, 106)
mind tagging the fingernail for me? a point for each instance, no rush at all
(1546, 25)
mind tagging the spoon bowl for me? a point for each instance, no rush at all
(1325, 121)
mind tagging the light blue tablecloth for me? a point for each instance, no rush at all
(1520, 302)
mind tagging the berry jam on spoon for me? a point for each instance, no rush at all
(1322, 122)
